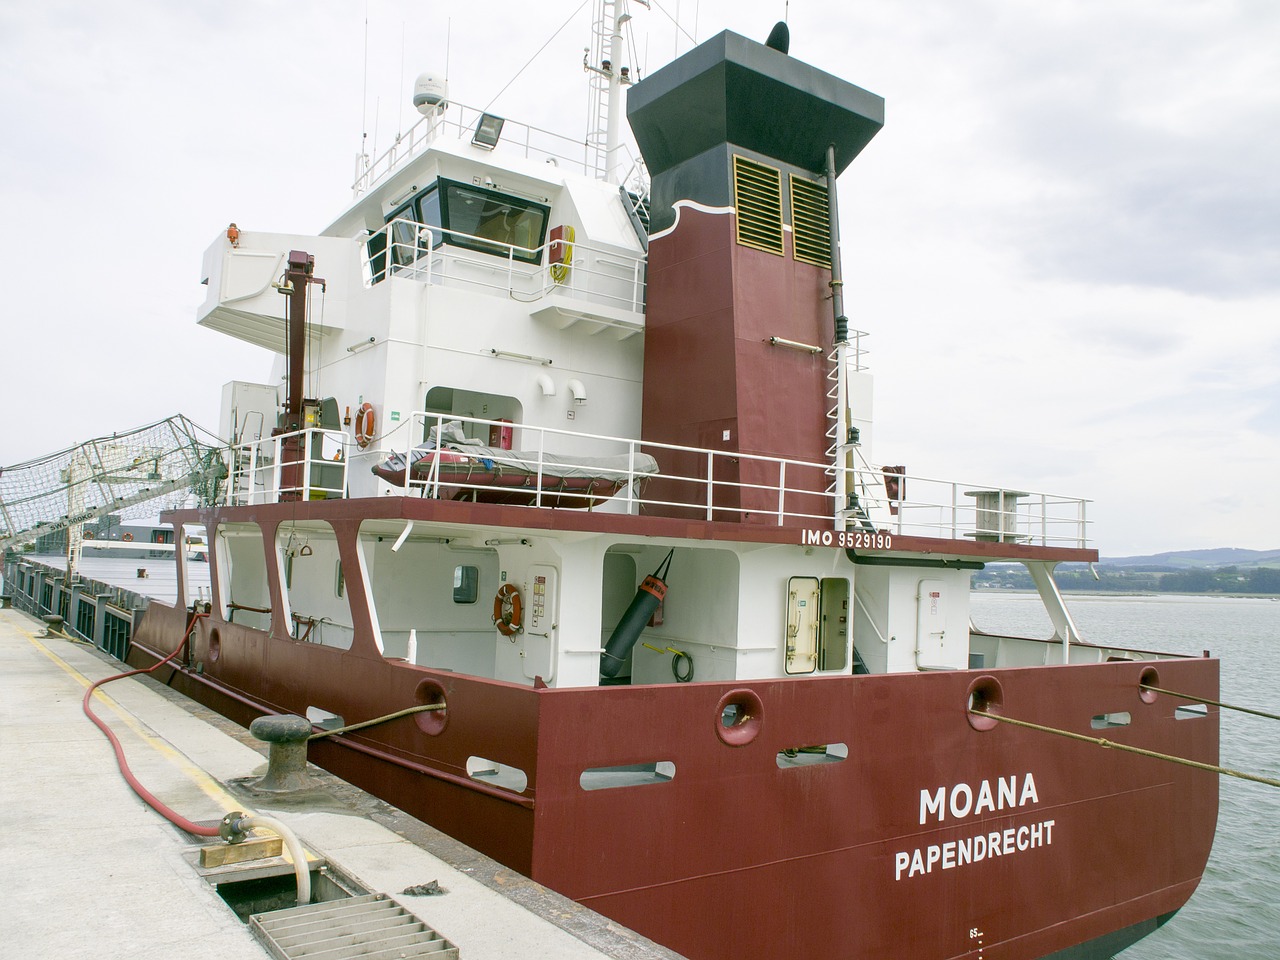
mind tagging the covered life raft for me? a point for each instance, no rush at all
(462, 470)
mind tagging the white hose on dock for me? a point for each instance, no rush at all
(296, 852)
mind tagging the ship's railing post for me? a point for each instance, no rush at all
(631, 477)
(305, 463)
(955, 512)
(426, 232)
(542, 446)
(432, 485)
(782, 492)
(711, 485)
(902, 509)
(260, 470)
(277, 454)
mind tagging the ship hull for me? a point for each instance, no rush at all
(930, 839)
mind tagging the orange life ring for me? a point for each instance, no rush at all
(127, 538)
(365, 422)
(507, 610)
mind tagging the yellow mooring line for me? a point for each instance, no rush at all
(1112, 745)
(1216, 703)
(407, 711)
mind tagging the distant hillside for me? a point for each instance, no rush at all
(1198, 559)
(1226, 570)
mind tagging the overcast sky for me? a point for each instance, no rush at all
(1065, 243)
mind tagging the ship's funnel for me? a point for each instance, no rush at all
(735, 92)
(738, 328)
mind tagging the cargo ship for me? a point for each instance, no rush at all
(575, 447)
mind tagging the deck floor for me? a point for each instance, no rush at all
(159, 583)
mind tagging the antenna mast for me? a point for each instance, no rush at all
(608, 76)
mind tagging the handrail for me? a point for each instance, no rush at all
(268, 470)
(523, 137)
(428, 256)
(791, 492)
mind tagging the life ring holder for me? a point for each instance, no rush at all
(366, 422)
(508, 610)
(561, 252)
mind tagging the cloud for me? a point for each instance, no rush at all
(1140, 126)
(1063, 243)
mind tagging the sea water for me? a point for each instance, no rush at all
(1235, 912)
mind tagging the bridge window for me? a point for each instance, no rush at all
(408, 243)
(512, 224)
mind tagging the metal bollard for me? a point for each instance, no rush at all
(287, 757)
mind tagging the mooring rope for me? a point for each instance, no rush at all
(1112, 745)
(421, 708)
(1216, 703)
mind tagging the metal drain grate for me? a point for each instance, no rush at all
(372, 927)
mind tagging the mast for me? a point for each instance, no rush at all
(603, 61)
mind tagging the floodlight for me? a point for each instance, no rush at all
(488, 130)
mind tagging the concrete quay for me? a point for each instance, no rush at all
(87, 870)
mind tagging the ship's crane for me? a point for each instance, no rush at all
(65, 490)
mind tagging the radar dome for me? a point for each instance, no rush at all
(430, 93)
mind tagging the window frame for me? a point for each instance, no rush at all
(447, 188)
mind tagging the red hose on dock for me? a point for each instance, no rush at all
(147, 796)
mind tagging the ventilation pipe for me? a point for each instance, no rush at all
(837, 281)
(843, 438)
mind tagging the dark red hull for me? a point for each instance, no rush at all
(735, 856)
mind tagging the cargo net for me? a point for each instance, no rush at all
(138, 473)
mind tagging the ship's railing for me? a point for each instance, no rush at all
(930, 507)
(459, 122)
(410, 250)
(730, 486)
(303, 465)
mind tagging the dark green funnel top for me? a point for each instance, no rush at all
(734, 90)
